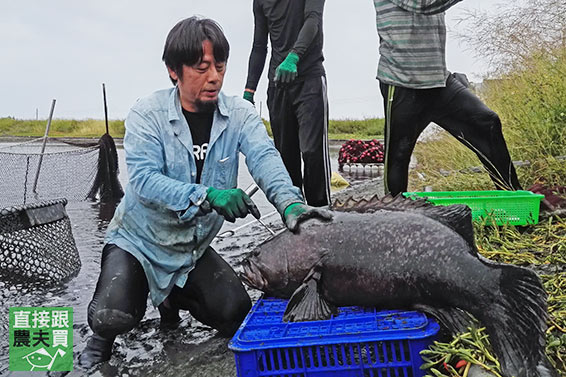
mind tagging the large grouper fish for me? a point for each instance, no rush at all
(396, 253)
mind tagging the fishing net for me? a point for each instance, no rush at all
(36, 241)
(37, 244)
(73, 171)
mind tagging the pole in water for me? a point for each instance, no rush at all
(43, 148)
(105, 107)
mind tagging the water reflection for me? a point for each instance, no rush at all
(106, 210)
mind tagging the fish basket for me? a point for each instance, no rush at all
(37, 244)
(357, 342)
(504, 207)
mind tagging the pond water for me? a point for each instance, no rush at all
(145, 350)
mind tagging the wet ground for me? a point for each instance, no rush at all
(191, 350)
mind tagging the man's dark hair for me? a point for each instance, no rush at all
(184, 43)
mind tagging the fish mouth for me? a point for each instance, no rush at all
(252, 275)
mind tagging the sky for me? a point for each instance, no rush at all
(66, 49)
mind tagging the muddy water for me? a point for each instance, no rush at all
(191, 350)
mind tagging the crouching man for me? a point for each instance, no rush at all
(182, 146)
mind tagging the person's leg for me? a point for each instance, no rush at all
(213, 294)
(311, 109)
(169, 314)
(467, 118)
(118, 304)
(284, 128)
(406, 116)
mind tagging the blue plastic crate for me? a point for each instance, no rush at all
(357, 342)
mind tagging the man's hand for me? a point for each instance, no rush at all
(249, 96)
(299, 212)
(287, 70)
(231, 203)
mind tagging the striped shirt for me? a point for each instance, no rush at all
(412, 48)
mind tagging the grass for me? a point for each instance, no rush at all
(365, 129)
(338, 129)
(60, 127)
(531, 102)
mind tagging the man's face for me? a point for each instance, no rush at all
(201, 83)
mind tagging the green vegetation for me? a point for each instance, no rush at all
(365, 129)
(60, 127)
(345, 129)
(532, 106)
(455, 358)
(338, 129)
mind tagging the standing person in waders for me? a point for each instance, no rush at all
(418, 89)
(296, 96)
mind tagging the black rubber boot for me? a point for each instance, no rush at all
(170, 318)
(97, 350)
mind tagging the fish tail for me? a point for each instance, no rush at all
(516, 322)
(545, 368)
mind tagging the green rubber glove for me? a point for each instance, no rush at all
(231, 203)
(296, 213)
(287, 71)
(249, 96)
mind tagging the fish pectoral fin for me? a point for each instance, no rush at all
(306, 304)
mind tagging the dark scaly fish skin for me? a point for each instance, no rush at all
(401, 259)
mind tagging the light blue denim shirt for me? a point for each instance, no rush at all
(158, 220)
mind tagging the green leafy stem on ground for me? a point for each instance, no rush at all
(454, 358)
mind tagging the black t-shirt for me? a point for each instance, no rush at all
(200, 125)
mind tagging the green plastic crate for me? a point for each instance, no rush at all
(505, 207)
